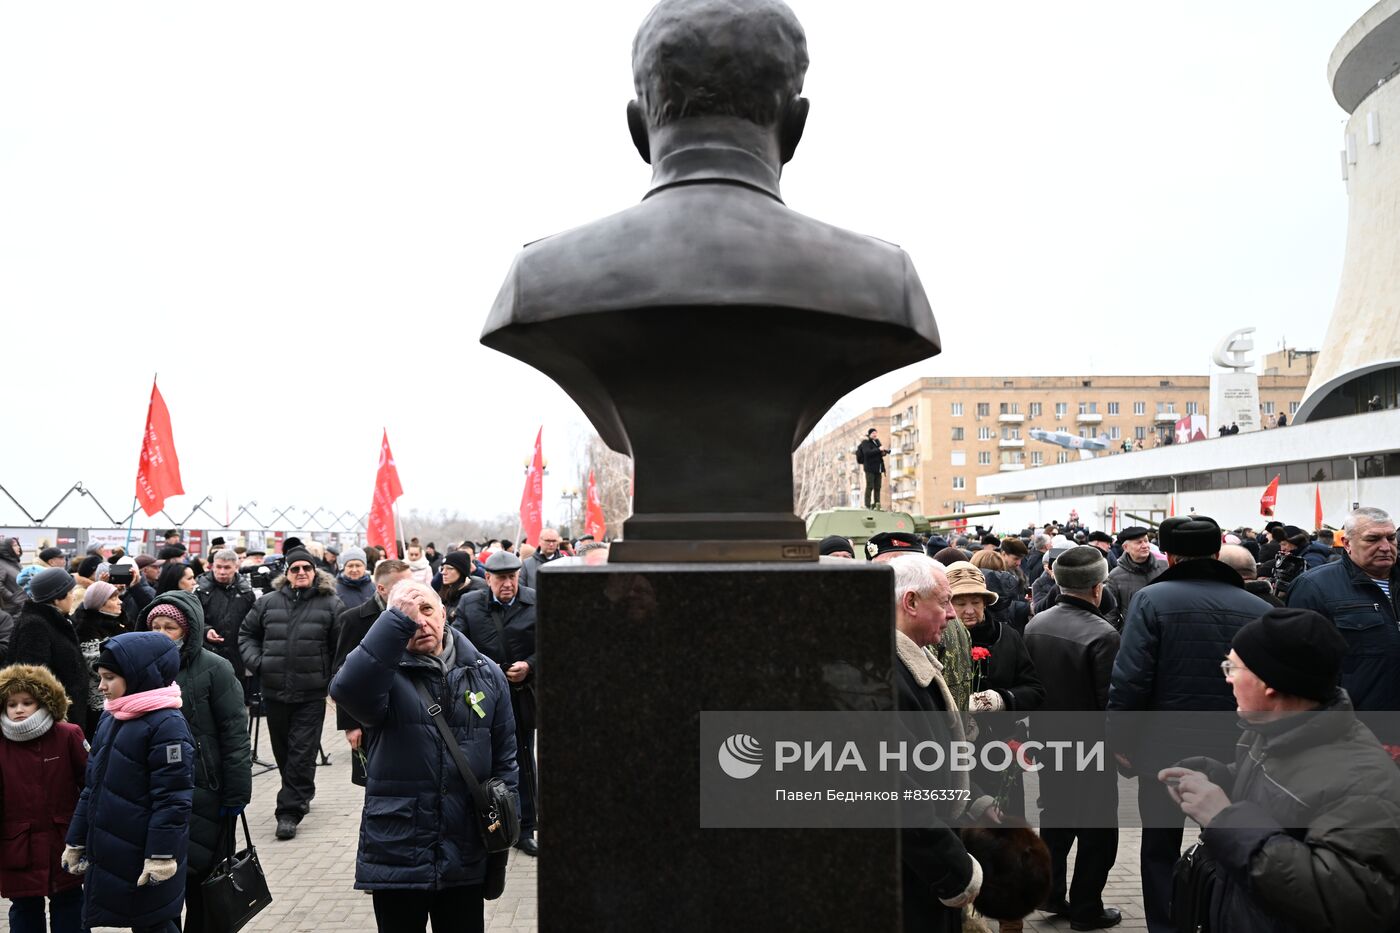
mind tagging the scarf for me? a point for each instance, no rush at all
(33, 727)
(136, 705)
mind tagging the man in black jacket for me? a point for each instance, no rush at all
(227, 597)
(871, 456)
(1175, 633)
(500, 622)
(1360, 594)
(288, 641)
(939, 876)
(1073, 648)
(354, 625)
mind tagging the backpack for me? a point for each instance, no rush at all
(860, 453)
(1193, 881)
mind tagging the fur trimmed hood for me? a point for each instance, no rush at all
(36, 681)
(325, 583)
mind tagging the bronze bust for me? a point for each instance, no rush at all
(706, 330)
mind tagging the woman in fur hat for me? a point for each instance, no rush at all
(42, 759)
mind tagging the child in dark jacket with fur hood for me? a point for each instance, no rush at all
(42, 760)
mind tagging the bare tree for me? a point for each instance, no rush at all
(444, 528)
(823, 469)
(612, 472)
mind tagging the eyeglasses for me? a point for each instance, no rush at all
(1227, 667)
(301, 568)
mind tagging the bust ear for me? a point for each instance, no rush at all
(792, 122)
(637, 126)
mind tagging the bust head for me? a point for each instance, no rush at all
(732, 61)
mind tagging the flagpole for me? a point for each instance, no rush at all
(129, 523)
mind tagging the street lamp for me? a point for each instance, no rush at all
(572, 495)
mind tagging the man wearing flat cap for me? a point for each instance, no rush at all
(1134, 570)
(500, 622)
(1175, 632)
(1302, 825)
(1073, 648)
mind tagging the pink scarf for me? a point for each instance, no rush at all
(136, 705)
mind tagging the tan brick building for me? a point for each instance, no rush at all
(944, 432)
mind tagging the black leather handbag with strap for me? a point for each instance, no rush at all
(497, 806)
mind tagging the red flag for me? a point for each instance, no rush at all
(532, 499)
(387, 490)
(1114, 529)
(1171, 510)
(594, 522)
(1269, 499)
(158, 473)
(1317, 508)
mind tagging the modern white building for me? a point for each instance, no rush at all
(1353, 459)
(1360, 359)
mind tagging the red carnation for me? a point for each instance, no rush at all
(980, 654)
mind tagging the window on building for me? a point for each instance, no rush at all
(1115, 433)
(959, 482)
(984, 409)
(1139, 433)
(959, 505)
(1113, 408)
(984, 434)
(1037, 458)
(1088, 408)
(1268, 408)
(1035, 409)
(1293, 408)
(1061, 408)
(957, 434)
(1139, 408)
(959, 457)
(1062, 457)
(1013, 457)
(957, 409)
(1166, 408)
(1191, 408)
(1011, 434)
(984, 458)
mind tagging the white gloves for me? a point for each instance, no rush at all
(987, 701)
(969, 894)
(156, 870)
(73, 860)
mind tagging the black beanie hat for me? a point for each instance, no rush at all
(296, 554)
(89, 566)
(1296, 651)
(108, 660)
(49, 553)
(460, 561)
(833, 543)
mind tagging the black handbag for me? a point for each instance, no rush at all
(497, 806)
(1193, 881)
(236, 889)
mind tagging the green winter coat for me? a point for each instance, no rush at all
(213, 707)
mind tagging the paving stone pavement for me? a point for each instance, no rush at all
(312, 876)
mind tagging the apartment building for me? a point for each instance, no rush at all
(944, 432)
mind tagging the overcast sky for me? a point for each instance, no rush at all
(300, 213)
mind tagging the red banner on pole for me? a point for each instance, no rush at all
(158, 473)
(387, 490)
(594, 522)
(1269, 499)
(1317, 508)
(532, 499)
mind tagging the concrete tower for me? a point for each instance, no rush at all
(1360, 358)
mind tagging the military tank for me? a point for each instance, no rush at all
(860, 525)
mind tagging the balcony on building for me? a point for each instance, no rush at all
(1089, 417)
(900, 496)
(1011, 467)
(1011, 418)
(1163, 417)
(1009, 443)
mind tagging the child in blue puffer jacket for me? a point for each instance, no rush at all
(140, 785)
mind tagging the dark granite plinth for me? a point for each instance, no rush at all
(629, 656)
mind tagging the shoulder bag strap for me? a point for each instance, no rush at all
(435, 711)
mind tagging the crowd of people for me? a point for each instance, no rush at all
(132, 682)
(1296, 812)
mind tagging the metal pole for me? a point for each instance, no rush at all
(130, 524)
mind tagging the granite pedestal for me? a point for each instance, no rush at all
(628, 657)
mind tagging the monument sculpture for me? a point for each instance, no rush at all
(1234, 393)
(705, 331)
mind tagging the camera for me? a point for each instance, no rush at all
(260, 575)
(120, 576)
